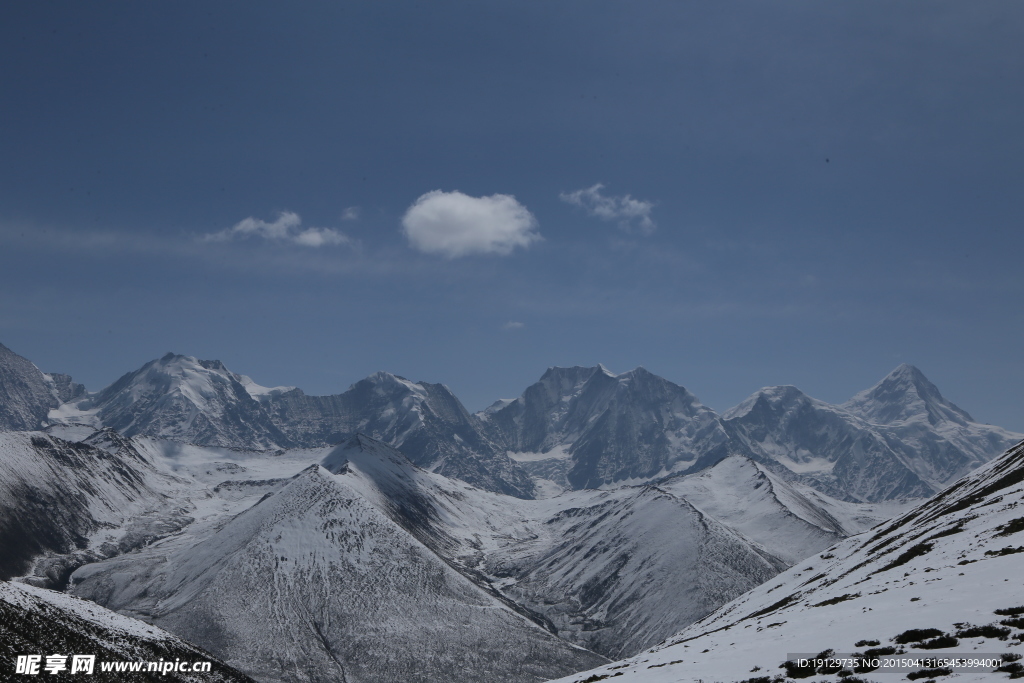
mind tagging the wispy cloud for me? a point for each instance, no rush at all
(454, 224)
(286, 228)
(350, 214)
(633, 215)
(513, 325)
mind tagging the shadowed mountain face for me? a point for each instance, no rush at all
(425, 421)
(615, 428)
(942, 578)
(27, 395)
(55, 495)
(586, 427)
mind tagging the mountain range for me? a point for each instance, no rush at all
(575, 428)
(387, 532)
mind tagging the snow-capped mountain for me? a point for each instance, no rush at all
(776, 515)
(65, 503)
(44, 622)
(425, 421)
(323, 577)
(939, 580)
(588, 427)
(607, 428)
(898, 439)
(202, 402)
(181, 398)
(27, 394)
(576, 428)
(905, 394)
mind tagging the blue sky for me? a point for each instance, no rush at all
(731, 194)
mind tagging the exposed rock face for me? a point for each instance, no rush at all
(27, 395)
(616, 428)
(425, 421)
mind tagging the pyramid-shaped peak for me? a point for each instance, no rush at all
(902, 395)
(359, 446)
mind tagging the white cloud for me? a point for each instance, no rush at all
(350, 214)
(632, 214)
(513, 325)
(287, 228)
(454, 224)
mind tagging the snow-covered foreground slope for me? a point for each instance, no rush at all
(324, 579)
(36, 621)
(951, 568)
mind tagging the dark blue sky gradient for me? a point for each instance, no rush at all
(837, 188)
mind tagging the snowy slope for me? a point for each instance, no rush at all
(316, 582)
(607, 569)
(39, 621)
(613, 571)
(952, 564)
(774, 514)
(64, 503)
(606, 566)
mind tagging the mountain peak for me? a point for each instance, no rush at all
(363, 449)
(767, 398)
(905, 394)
